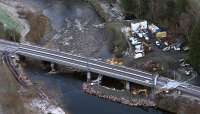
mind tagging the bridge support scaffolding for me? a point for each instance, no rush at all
(127, 86)
(88, 76)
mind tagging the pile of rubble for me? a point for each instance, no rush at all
(90, 89)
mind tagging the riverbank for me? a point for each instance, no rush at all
(10, 100)
(174, 103)
(18, 99)
(67, 88)
(122, 97)
(34, 98)
(179, 104)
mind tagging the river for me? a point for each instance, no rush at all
(66, 88)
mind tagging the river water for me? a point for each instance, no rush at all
(66, 88)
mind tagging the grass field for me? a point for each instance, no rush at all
(8, 22)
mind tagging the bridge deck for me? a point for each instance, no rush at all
(119, 72)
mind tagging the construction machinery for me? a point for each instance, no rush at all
(114, 61)
(140, 91)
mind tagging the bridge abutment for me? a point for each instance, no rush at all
(127, 86)
(53, 70)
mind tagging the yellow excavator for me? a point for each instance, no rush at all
(114, 61)
(140, 91)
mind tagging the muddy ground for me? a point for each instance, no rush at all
(19, 99)
(11, 102)
(81, 33)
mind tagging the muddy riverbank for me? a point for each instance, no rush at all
(10, 100)
(66, 88)
(18, 99)
(179, 104)
(123, 96)
(174, 103)
(34, 98)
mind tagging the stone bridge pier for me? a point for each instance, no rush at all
(98, 80)
(127, 85)
(88, 76)
(53, 70)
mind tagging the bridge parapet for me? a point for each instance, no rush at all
(119, 72)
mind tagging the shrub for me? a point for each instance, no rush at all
(118, 42)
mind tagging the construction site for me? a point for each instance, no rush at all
(116, 56)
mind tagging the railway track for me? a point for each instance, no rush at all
(7, 60)
(16, 74)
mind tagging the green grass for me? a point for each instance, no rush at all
(8, 22)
